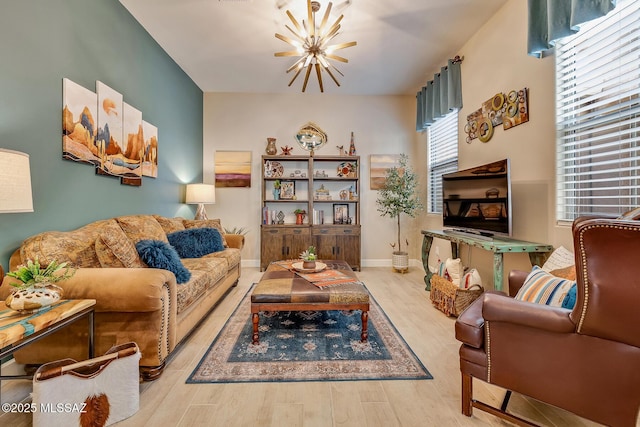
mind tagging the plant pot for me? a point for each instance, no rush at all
(400, 261)
(308, 264)
(34, 297)
(299, 219)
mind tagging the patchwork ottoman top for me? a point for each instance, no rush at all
(282, 285)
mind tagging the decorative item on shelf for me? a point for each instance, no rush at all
(276, 189)
(271, 149)
(311, 44)
(286, 150)
(280, 217)
(273, 169)
(398, 196)
(343, 194)
(288, 190)
(320, 174)
(201, 194)
(340, 150)
(352, 146)
(347, 170)
(36, 288)
(492, 193)
(322, 193)
(352, 193)
(300, 214)
(308, 258)
(340, 213)
(310, 137)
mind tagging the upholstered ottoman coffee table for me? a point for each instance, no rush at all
(283, 289)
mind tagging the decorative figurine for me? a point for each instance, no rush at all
(352, 147)
(340, 150)
(286, 150)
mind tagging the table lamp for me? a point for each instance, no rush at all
(15, 184)
(202, 194)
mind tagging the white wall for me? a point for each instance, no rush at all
(495, 60)
(242, 122)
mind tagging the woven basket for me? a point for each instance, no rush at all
(449, 298)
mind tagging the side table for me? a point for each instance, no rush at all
(20, 329)
(498, 245)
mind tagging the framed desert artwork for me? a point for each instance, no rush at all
(150, 157)
(102, 130)
(79, 123)
(233, 168)
(379, 164)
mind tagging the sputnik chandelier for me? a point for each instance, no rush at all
(311, 44)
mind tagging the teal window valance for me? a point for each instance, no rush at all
(550, 20)
(440, 96)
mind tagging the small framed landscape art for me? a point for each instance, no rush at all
(233, 168)
(380, 164)
(340, 213)
(287, 190)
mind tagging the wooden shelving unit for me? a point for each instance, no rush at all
(321, 183)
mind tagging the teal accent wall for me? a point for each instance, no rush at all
(42, 42)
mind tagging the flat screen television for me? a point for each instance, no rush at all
(478, 200)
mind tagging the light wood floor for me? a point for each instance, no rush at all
(170, 402)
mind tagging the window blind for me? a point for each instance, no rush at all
(443, 156)
(597, 116)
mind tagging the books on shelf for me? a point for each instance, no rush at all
(318, 216)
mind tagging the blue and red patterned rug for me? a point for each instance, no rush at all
(307, 346)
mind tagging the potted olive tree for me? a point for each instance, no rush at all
(399, 196)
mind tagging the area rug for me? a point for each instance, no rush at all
(307, 346)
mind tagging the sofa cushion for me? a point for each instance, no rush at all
(232, 255)
(76, 247)
(544, 288)
(169, 225)
(142, 227)
(196, 242)
(207, 223)
(159, 254)
(115, 250)
(191, 291)
(216, 268)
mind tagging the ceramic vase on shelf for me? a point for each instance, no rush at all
(34, 297)
(276, 194)
(271, 150)
(299, 218)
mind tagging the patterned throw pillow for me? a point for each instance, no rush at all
(170, 225)
(544, 288)
(206, 223)
(139, 227)
(196, 242)
(114, 249)
(159, 254)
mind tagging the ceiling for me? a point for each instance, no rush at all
(229, 45)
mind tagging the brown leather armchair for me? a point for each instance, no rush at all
(585, 360)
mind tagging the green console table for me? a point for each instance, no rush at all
(498, 245)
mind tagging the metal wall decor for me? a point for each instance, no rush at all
(508, 110)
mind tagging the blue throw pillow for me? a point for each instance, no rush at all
(569, 301)
(159, 254)
(196, 242)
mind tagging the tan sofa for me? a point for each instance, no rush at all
(133, 302)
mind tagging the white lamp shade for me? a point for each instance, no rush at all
(15, 182)
(201, 193)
